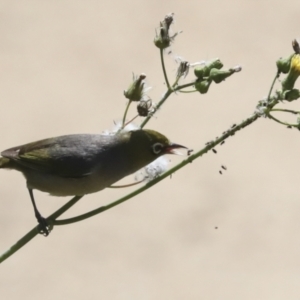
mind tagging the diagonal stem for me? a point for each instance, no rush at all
(33, 232)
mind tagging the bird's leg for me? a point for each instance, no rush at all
(44, 226)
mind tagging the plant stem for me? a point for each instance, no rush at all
(160, 103)
(33, 232)
(295, 112)
(125, 113)
(164, 68)
(165, 97)
(125, 185)
(183, 86)
(19, 244)
(280, 122)
(272, 85)
(191, 91)
(64, 208)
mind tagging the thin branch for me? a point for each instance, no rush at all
(64, 208)
(125, 113)
(281, 122)
(125, 185)
(19, 244)
(33, 232)
(164, 68)
(124, 125)
(165, 97)
(295, 112)
(160, 103)
(272, 85)
(183, 86)
(191, 91)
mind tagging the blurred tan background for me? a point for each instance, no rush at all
(63, 68)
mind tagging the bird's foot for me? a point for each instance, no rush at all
(44, 226)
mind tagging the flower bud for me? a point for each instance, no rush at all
(202, 86)
(203, 71)
(135, 91)
(283, 64)
(291, 95)
(289, 82)
(163, 39)
(220, 75)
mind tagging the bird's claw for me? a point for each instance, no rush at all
(44, 226)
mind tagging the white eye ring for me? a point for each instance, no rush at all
(157, 148)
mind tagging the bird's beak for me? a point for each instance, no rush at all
(172, 149)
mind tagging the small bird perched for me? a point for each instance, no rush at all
(80, 164)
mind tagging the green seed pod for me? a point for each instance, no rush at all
(163, 39)
(203, 71)
(291, 95)
(202, 86)
(219, 75)
(135, 91)
(216, 64)
(283, 64)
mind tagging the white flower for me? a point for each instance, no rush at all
(153, 170)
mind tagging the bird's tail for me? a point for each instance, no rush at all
(4, 162)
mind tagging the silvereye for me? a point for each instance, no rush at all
(82, 164)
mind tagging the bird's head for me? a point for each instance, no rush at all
(146, 145)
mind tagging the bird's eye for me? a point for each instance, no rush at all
(157, 148)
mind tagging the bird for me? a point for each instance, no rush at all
(81, 164)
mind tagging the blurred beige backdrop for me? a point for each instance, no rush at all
(63, 68)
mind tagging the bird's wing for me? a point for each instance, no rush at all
(65, 156)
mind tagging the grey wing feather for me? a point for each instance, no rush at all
(65, 156)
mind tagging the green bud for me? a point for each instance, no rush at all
(203, 71)
(135, 91)
(163, 39)
(202, 86)
(216, 64)
(290, 80)
(283, 64)
(199, 71)
(220, 75)
(291, 95)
